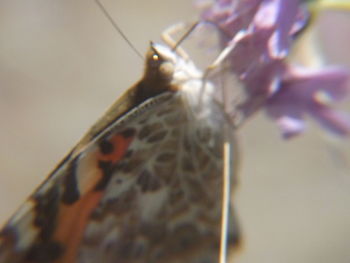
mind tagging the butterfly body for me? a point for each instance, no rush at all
(144, 185)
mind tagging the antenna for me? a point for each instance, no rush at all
(116, 27)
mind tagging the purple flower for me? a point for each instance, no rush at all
(262, 33)
(309, 92)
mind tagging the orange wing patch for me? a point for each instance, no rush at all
(73, 218)
(72, 221)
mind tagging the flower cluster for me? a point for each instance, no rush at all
(260, 34)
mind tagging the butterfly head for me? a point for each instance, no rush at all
(165, 71)
(160, 63)
(169, 65)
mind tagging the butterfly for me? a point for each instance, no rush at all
(143, 185)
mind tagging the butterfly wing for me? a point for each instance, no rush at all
(144, 187)
(164, 201)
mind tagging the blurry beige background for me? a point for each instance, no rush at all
(62, 65)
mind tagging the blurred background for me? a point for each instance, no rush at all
(62, 64)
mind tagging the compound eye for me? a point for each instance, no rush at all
(155, 57)
(155, 60)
